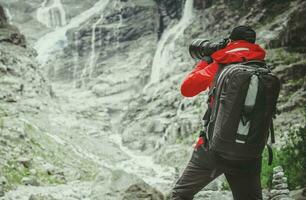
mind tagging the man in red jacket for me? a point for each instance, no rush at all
(205, 166)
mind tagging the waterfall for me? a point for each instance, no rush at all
(87, 71)
(57, 40)
(166, 46)
(52, 14)
(8, 15)
(75, 55)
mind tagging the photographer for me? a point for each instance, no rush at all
(243, 176)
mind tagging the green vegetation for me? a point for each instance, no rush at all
(292, 157)
(267, 171)
(282, 56)
(39, 145)
(225, 186)
(15, 172)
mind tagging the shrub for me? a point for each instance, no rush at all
(291, 157)
(294, 159)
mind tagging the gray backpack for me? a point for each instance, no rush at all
(242, 104)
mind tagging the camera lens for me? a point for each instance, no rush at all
(201, 48)
(195, 48)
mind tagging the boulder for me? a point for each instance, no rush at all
(41, 197)
(10, 33)
(1, 191)
(117, 184)
(24, 161)
(31, 180)
(291, 72)
(142, 191)
(299, 194)
(3, 181)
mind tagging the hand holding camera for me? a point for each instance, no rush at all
(202, 49)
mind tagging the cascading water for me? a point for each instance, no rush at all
(166, 46)
(52, 14)
(8, 15)
(87, 71)
(75, 54)
(57, 40)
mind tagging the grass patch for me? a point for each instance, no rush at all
(280, 55)
(14, 172)
(38, 145)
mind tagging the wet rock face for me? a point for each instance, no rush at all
(295, 33)
(3, 18)
(202, 4)
(124, 23)
(10, 33)
(288, 29)
(171, 8)
(168, 10)
(18, 69)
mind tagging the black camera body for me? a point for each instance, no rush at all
(202, 49)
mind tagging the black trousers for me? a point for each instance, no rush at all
(205, 166)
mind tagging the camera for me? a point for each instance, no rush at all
(203, 48)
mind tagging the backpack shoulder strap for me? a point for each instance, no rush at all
(269, 146)
(272, 135)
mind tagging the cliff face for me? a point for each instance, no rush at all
(29, 154)
(116, 68)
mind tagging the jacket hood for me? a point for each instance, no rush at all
(239, 51)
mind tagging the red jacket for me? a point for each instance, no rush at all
(202, 76)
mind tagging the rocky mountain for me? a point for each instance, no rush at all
(101, 88)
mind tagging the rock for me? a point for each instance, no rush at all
(156, 126)
(142, 192)
(276, 192)
(281, 186)
(279, 189)
(30, 181)
(26, 162)
(2, 191)
(33, 172)
(278, 169)
(278, 175)
(279, 181)
(294, 35)
(299, 194)
(41, 197)
(3, 181)
(281, 197)
(10, 33)
(49, 169)
(117, 184)
(214, 195)
(294, 71)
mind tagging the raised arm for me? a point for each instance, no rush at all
(199, 79)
